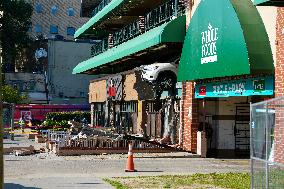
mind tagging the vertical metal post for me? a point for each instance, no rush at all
(12, 121)
(251, 147)
(266, 147)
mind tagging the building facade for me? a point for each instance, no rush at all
(216, 92)
(52, 54)
(129, 36)
(63, 86)
(231, 57)
(56, 18)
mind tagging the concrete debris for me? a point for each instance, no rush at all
(24, 152)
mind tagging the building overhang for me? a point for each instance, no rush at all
(161, 41)
(114, 15)
(229, 41)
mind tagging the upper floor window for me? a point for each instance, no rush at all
(53, 29)
(38, 28)
(70, 11)
(54, 10)
(39, 8)
(71, 31)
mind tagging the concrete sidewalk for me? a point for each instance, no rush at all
(57, 183)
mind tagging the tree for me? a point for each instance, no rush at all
(12, 95)
(15, 25)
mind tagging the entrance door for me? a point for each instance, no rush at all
(242, 130)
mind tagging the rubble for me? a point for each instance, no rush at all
(23, 152)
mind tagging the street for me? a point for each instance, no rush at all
(46, 170)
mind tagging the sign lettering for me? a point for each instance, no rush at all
(242, 87)
(209, 49)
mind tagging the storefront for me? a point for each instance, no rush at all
(129, 104)
(226, 64)
(224, 107)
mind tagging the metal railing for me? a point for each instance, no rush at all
(128, 32)
(99, 47)
(267, 158)
(154, 18)
(102, 4)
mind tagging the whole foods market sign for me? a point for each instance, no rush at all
(242, 87)
(209, 49)
(225, 38)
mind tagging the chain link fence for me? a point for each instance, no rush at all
(267, 144)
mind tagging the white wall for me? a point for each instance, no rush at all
(63, 57)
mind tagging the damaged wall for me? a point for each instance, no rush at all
(97, 91)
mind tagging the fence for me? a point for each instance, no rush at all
(63, 139)
(267, 144)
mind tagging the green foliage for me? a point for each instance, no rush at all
(224, 180)
(62, 118)
(15, 25)
(11, 95)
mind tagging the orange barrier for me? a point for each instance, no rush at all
(130, 162)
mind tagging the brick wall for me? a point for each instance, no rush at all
(189, 117)
(279, 69)
(279, 86)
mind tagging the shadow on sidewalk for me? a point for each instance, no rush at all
(17, 186)
(149, 171)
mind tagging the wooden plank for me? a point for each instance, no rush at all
(134, 121)
(158, 125)
(153, 125)
(148, 129)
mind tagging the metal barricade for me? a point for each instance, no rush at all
(267, 144)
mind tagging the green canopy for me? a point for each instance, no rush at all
(170, 32)
(111, 6)
(225, 38)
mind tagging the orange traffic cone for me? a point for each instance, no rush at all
(130, 163)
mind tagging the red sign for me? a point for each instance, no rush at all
(111, 91)
(202, 90)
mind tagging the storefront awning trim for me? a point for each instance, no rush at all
(166, 33)
(111, 6)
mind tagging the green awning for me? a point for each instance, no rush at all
(111, 6)
(170, 32)
(229, 41)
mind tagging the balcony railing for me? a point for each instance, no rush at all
(99, 47)
(102, 4)
(156, 17)
(126, 33)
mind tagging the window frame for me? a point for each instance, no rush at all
(51, 27)
(68, 29)
(71, 11)
(54, 8)
(39, 8)
(38, 27)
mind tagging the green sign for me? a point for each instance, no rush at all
(225, 38)
(242, 87)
